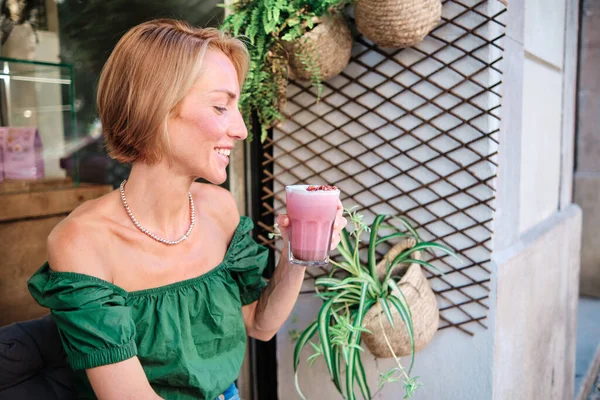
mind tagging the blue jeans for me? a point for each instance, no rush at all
(231, 393)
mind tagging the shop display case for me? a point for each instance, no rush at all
(38, 134)
(37, 124)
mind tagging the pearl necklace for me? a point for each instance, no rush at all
(152, 235)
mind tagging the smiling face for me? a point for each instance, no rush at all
(209, 122)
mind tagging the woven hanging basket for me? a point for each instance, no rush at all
(421, 301)
(330, 43)
(397, 23)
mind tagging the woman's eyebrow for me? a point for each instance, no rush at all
(228, 92)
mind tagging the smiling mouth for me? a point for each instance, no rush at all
(223, 152)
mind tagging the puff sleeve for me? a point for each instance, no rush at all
(95, 324)
(246, 261)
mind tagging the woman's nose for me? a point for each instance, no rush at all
(238, 128)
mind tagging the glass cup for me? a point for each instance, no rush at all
(312, 215)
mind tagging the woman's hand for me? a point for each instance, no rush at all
(283, 223)
(266, 316)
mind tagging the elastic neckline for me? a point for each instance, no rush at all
(178, 285)
(164, 288)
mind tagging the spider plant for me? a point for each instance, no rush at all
(348, 292)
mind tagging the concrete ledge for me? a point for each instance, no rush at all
(533, 234)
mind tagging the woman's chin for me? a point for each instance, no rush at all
(217, 179)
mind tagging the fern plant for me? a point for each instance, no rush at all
(266, 25)
(346, 300)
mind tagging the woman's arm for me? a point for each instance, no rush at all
(124, 380)
(265, 317)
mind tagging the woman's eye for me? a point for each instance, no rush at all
(220, 109)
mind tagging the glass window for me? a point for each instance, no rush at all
(51, 60)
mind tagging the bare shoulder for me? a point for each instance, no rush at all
(219, 202)
(75, 244)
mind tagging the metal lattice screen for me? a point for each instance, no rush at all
(410, 132)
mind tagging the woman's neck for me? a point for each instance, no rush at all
(159, 199)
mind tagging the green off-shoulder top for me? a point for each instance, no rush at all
(189, 336)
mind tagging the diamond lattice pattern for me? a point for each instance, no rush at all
(410, 132)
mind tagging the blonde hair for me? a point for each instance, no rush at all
(145, 79)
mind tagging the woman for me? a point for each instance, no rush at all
(155, 286)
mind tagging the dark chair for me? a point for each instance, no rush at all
(33, 364)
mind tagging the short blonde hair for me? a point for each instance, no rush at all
(145, 79)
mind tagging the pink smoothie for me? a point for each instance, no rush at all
(312, 214)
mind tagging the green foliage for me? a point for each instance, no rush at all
(294, 335)
(267, 25)
(348, 292)
(308, 60)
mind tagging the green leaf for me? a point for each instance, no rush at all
(304, 338)
(382, 226)
(346, 254)
(355, 339)
(355, 346)
(360, 279)
(359, 329)
(424, 263)
(351, 283)
(263, 133)
(318, 351)
(373, 287)
(326, 295)
(406, 317)
(348, 298)
(362, 378)
(373, 244)
(409, 227)
(252, 29)
(297, 384)
(288, 37)
(348, 287)
(338, 364)
(428, 245)
(327, 282)
(389, 377)
(386, 309)
(411, 385)
(323, 319)
(402, 257)
(345, 241)
(402, 298)
(346, 267)
(390, 236)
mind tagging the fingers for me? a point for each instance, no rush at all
(335, 240)
(283, 220)
(340, 223)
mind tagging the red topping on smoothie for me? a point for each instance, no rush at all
(323, 188)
